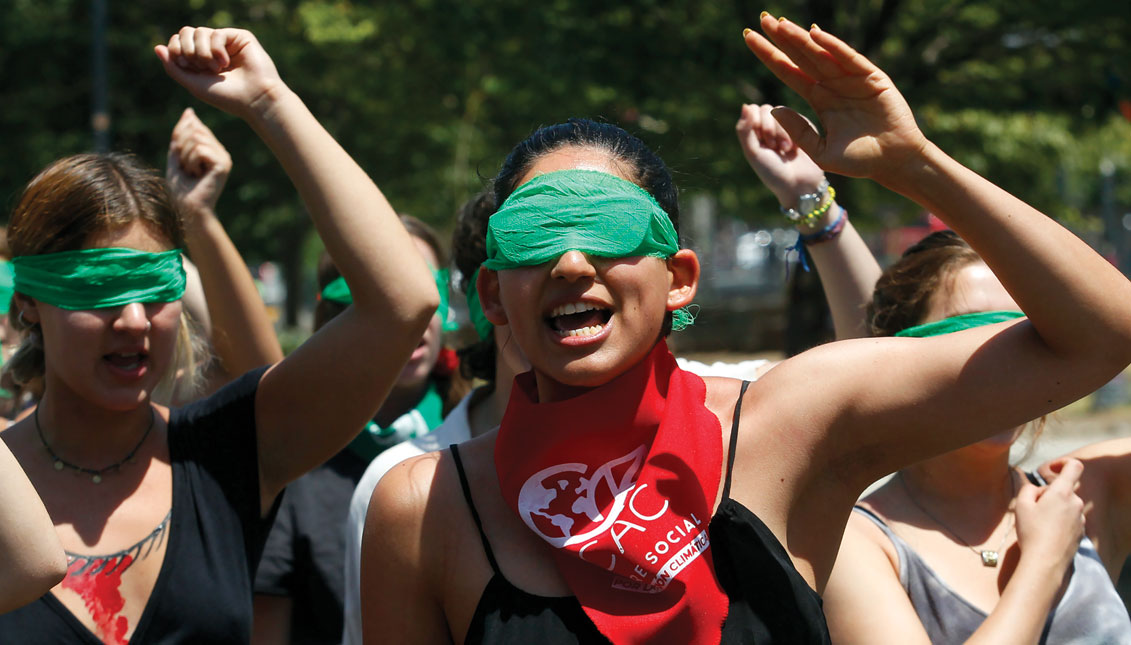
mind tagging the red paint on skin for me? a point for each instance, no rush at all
(103, 600)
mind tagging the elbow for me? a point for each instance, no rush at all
(32, 583)
(426, 306)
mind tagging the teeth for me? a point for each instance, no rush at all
(584, 331)
(572, 308)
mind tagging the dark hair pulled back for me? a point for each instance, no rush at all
(631, 157)
(904, 291)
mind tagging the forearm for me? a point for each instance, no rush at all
(848, 273)
(31, 557)
(243, 336)
(1077, 301)
(360, 229)
(1023, 608)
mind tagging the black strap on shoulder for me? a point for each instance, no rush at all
(471, 506)
(734, 439)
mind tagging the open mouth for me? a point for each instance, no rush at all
(127, 362)
(579, 319)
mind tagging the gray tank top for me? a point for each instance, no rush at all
(1089, 613)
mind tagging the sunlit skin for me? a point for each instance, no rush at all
(970, 488)
(409, 388)
(95, 387)
(634, 294)
(973, 289)
(85, 349)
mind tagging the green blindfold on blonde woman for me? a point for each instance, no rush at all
(575, 210)
(100, 278)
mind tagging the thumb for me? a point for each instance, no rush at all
(800, 130)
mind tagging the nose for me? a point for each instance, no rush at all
(132, 318)
(573, 265)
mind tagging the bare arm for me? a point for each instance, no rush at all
(31, 557)
(241, 332)
(848, 269)
(399, 560)
(1106, 489)
(313, 402)
(958, 388)
(866, 603)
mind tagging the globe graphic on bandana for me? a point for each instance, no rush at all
(565, 504)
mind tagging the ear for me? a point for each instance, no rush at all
(487, 286)
(27, 306)
(684, 269)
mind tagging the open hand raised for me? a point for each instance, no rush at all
(869, 128)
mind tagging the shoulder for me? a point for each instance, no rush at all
(750, 370)
(376, 471)
(406, 485)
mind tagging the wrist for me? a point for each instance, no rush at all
(802, 198)
(915, 173)
(266, 106)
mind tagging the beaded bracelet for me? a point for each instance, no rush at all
(824, 235)
(812, 218)
(827, 233)
(809, 204)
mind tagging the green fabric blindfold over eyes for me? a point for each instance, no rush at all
(959, 323)
(338, 291)
(577, 210)
(7, 279)
(99, 278)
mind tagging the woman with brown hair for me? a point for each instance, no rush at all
(163, 512)
(962, 547)
(965, 547)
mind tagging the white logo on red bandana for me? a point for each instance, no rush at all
(560, 503)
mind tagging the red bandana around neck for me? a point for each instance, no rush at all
(622, 480)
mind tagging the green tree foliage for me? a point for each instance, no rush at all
(429, 95)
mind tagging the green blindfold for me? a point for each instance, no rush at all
(338, 291)
(959, 323)
(7, 278)
(99, 278)
(575, 210)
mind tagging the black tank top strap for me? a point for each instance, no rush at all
(733, 439)
(471, 506)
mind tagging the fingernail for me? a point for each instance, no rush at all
(746, 31)
(814, 27)
(764, 14)
(781, 19)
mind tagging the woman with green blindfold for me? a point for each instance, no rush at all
(967, 547)
(163, 513)
(960, 547)
(663, 506)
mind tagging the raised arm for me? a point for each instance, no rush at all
(847, 267)
(31, 557)
(313, 402)
(905, 399)
(241, 333)
(865, 602)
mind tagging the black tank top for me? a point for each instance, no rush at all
(769, 600)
